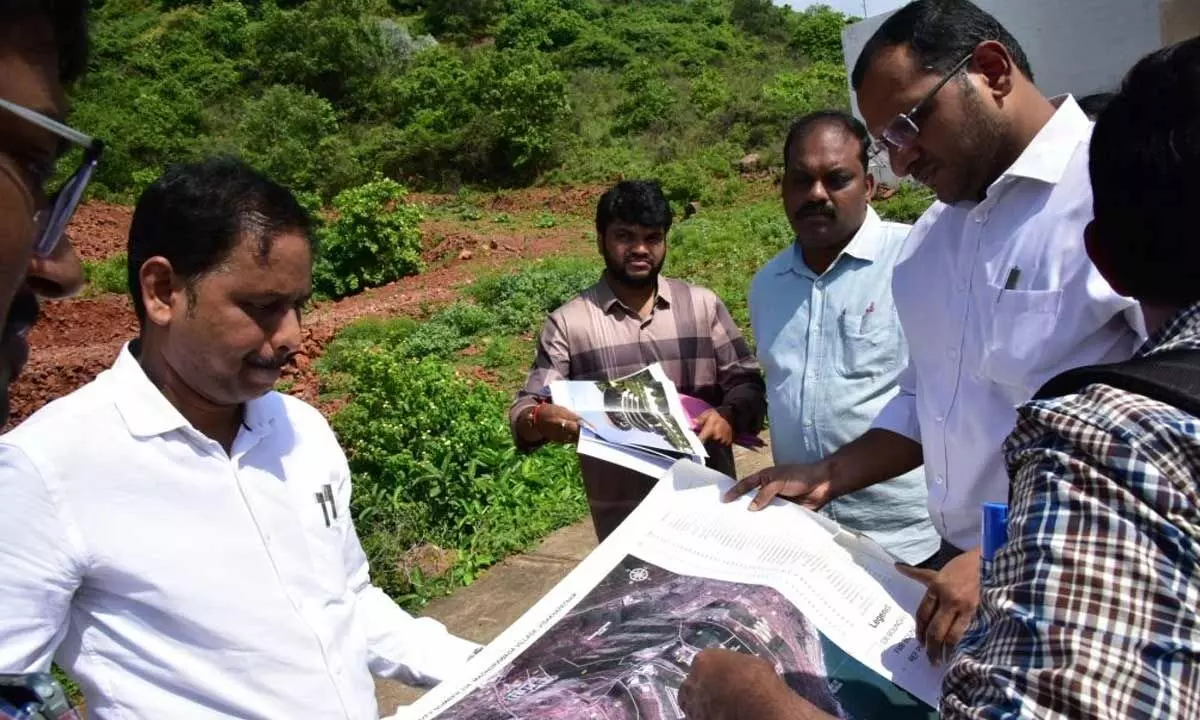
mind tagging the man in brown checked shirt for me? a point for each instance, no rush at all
(632, 318)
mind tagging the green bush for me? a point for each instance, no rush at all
(326, 94)
(648, 100)
(520, 302)
(462, 19)
(106, 276)
(334, 48)
(484, 114)
(375, 239)
(288, 135)
(709, 91)
(723, 251)
(500, 307)
(433, 462)
(539, 25)
(820, 85)
(908, 204)
(817, 34)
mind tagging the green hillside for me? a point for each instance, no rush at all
(328, 94)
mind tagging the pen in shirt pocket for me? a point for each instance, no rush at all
(862, 328)
(1010, 282)
(328, 506)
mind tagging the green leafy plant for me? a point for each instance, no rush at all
(908, 204)
(519, 302)
(722, 251)
(434, 463)
(106, 276)
(374, 240)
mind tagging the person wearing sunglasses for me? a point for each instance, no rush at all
(999, 295)
(43, 48)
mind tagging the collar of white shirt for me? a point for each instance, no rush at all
(1047, 157)
(148, 413)
(863, 246)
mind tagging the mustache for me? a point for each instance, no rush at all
(23, 313)
(276, 362)
(815, 209)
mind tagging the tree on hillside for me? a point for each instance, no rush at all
(760, 17)
(465, 19)
(817, 34)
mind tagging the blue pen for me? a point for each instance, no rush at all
(995, 535)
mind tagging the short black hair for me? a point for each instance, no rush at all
(800, 130)
(1145, 152)
(69, 20)
(1092, 105)
(940, 33)
(640, 202)
(195, 214)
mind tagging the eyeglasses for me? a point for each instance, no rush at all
(52, 220)
(903, 130)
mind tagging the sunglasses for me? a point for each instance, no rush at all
(903, 130)
(52, 220)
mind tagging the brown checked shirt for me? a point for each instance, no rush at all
(689, 333)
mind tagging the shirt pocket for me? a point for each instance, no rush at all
(1022, 327)
(867, 345)
(326, 543)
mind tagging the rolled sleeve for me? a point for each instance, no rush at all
(41, 566)
(900, 414)
(552, 363)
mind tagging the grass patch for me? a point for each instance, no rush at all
(723, 250)
(908, 204)
(106, 276)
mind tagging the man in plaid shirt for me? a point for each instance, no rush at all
(1091, 610)
(631, 318)
(1091, 607)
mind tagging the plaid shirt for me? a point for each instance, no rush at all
(1091, 610)
(689, 332)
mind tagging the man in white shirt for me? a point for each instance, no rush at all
(178, 536)
(998, 295)
(826, 327)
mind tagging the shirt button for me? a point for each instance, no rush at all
(820, 284)
(940, 480)
(953, 353)
(941, 418)
(808, 423)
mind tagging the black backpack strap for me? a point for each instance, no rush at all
(1171, 377)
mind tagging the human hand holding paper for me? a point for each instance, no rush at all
(710, 426)
(695, 408)
(951, 597)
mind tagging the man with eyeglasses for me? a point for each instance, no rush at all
(43, 46)
(999, 295)
(1089, 611)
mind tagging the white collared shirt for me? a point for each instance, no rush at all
(172, 580)
(978, 350)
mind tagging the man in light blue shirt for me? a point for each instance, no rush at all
(826, 327)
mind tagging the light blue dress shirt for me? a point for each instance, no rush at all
(832, 347)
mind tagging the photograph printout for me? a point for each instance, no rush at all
(616, 638)
(636, 421)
